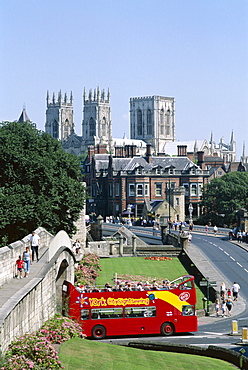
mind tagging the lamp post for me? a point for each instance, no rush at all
(190, 213)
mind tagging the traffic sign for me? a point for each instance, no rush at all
(203, 283)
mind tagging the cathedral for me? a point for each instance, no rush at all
(152, 121)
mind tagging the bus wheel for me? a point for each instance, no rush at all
(99, 332)
(167, 329)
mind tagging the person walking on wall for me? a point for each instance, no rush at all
(35, 241)
(27, 261)
(19, 265)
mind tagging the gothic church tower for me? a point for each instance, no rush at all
(152, 119)
(59, 117)
(97, 125)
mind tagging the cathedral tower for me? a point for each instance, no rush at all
(152, 119)
(97, 125)
(59, 116)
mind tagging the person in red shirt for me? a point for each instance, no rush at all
(19, 264)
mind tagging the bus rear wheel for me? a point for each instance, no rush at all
(167, 329)
(99, 332)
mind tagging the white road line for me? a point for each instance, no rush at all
(232, 258)
(246, 270)
(220, 248)
(226, 253)
(213, 333)
(239, 264)
(215, 245)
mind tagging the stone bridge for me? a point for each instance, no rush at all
(26, 303)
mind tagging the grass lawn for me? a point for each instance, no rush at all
(170, 269)
(78, 354)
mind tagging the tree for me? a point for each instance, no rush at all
(40, 184)
(223, 196)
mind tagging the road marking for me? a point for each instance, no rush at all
(212, 333)
(226, 253)
(239, 264)
(232, 258)
(246, 270)
(215, 245)
(220, 248)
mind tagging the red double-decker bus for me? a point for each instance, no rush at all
(165, 311)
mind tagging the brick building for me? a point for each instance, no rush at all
(116, 181)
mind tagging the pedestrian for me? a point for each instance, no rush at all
(77, 246)
(222, 290)
(35, 241)
(206, 229)
(19, 265)
(229, 305)
(189, 238)
(27, 261)
(191, 227)
(215, 230)
(223, 307)
(239, 236)
(217, 307)
(235, 290)
(229, 293)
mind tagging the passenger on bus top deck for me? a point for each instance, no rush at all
(139, 287)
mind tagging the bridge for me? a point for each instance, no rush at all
(25, 304)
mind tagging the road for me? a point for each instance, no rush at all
(231, 261)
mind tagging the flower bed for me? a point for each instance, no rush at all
(156, 258)
(36, 351)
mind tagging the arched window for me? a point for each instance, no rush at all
(149, 122)
(139, 123)
(104, 127)
(168, 130)
(55, 130)
(92, 127)
(66, 129)
(162, 122)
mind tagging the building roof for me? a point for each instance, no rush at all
(24, 116)
(125, 141)
(170, 148)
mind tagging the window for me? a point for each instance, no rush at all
(177, 201)
(110, 190)
(139, 190)
(55, 129)
(139, 171)
(188, 310)
(104, 126)
(92, 127)
(117, 189)
(131, 190)
(186, 186)
(93, 190)
(162, 122)
(193, 190)
(140, 312)
(117, 208)
(158, 171)
(139, 123)
(146, 190)
(106, 313)
(158, 190)
(149, 122)
(171, 171)
(200, 189)
(84, 314)
(66, 129)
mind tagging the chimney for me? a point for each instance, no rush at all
(119, 152)
(130, 151)
(182, 150)
(200, 159)
(91, 151)
(102, 148)
(149, 153)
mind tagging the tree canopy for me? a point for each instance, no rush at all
(223, 196)
(40, 184)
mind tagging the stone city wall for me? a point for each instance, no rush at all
(10, 253)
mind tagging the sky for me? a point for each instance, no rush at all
(195, 51)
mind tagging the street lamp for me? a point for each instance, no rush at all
(129, 209)
(190, 213)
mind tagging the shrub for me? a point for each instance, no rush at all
(86, 272)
